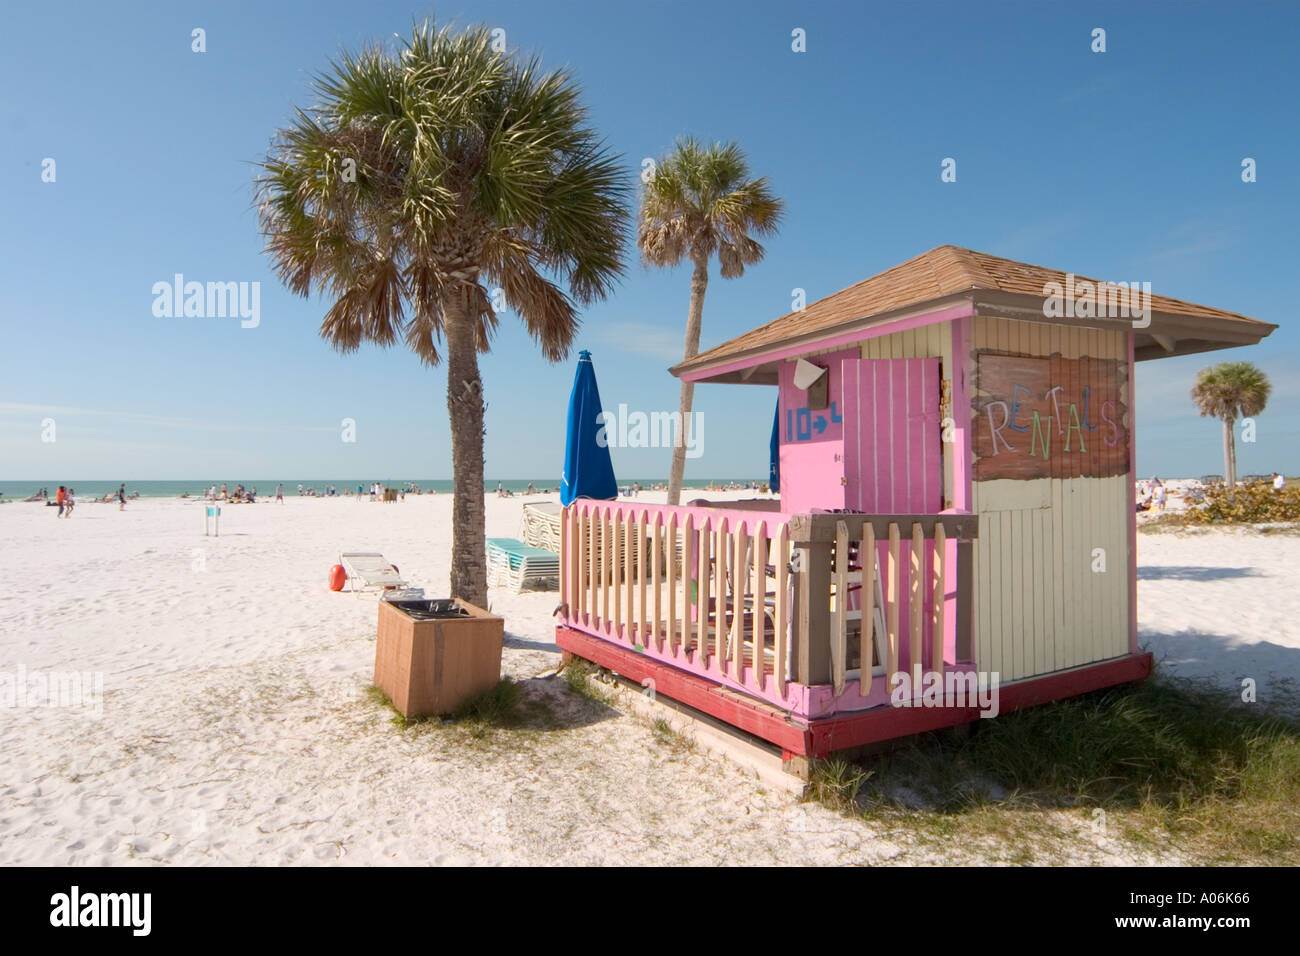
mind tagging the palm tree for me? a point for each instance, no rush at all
(700, 201)
(420, 181)
(1225, 391)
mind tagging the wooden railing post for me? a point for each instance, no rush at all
(916, 567)
(839, 630)
(780, 639)
(965, 587)
(938, 597)
(812, 630)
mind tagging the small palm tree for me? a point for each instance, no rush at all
(1226, 391)
(420, 181)
(700, 201)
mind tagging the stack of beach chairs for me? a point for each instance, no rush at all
(513, 564)
(540, 527)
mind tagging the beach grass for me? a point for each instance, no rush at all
(665, 736)
(503, 706)
(580, 675)
(1166, 765)
(511, 714)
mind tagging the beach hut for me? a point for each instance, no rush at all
(955, 531)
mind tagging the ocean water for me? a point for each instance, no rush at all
(87, 489)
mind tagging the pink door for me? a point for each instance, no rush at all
(893, 461)
(892, 452)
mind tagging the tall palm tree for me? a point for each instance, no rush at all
(420, 181)
(700, 201)
(1225, 391)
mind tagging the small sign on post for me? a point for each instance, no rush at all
(212, 520)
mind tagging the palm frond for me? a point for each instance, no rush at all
(1231, 389)
(700, 201)
(462, 164)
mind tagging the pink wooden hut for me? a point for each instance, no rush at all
(957, 501)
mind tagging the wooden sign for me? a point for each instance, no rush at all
(1049, 417)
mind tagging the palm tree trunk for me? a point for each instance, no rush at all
(694, 321)
(1229, 453)
(465, 410)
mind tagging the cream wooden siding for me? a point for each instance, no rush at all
(1039, 606)
(928, 341)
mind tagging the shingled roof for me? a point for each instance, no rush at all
(995, 286)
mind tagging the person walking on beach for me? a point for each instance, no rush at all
(1158, 502)
(121, 497)
(59, 497)
(69, 501)
(279, 493)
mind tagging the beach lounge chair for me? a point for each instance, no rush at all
(540, 526)
(513, 564)
(370, 569)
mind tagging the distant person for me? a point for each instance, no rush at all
(1278, 481)
(1158, 495)
(531, 488)
(60, 497)
(69, 502)
(121, 497)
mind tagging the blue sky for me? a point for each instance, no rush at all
(1123, 165)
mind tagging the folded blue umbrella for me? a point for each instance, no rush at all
(774, 465)
(588, 471)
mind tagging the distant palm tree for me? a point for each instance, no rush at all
(1226, 391)
(420, 181)
(699, 201)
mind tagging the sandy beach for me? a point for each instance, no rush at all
(236, 729)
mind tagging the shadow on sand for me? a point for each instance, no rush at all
(1178, 572)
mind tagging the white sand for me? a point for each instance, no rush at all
(234, 728)
(1224, 606)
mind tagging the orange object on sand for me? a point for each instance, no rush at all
(338, 578)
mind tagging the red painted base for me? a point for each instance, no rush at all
(820, 736)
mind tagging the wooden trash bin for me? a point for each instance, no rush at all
(432, 656)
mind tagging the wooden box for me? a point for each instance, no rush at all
(434, 666)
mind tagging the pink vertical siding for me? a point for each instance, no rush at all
(1131, 504)
(961, 449)
(812, 458)
(892, 459)
(891, 437)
